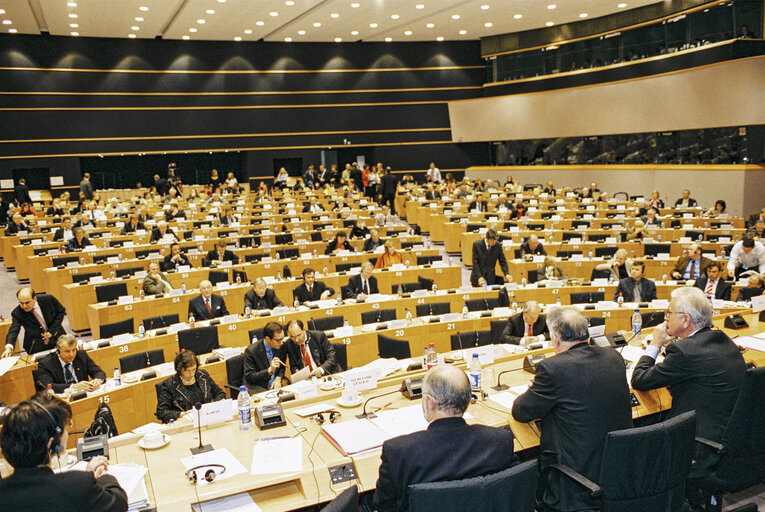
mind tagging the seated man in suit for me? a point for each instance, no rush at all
(636, 288)
(527, 326)
(703, 368)
(208, 305)
(68, 367)
(162, 234)
(64, 233)
(227, 218)
(174, 213)
(532, 246)
(261, 297)
(692, 266)
(431, 193)
(220, 254)
(340, 243)
(17, 224)
(41, 317)
(363, 284)
(473, 450)
(714, 286)
(155, 282)
(478, 204)
(580, 394)
(79, 241)
(264, 360)
(175, 259)
(746, 255)
(486, 254)
(686, 201)
(309, 348)
(359, 230)
(311, 289)
(374, 241)
(754, 288)
(313, 206)
(189, 385)
(385, 218)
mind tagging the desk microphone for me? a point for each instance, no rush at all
(364, 413)
(202, 448)
(502, 387)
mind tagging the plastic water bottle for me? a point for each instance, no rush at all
(141, 330)
(475, 373)
(279, 276)
(722, 254)
(254, 339)
(620, 299)
(637, 324)
(192, 320)
(346, 323)
(142, 294)
(408, 316)
(432, 360)
(557, 301)
(183, 288)
(664, 278)
(339, 300)
(400, 291)
(465, 312)
(244, 408)
(424, 357)
(435, 288)
(80, 346)
(117, 376)
(112, 274)
(239, 279)
(589, 254)
(296, 303)
(523, 281)
(247, 311)
(514, 305)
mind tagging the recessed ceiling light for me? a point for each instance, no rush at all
(334, 15)
(287, 39)
(355, 5)
(135, 27)
(484, 7)
(463, 32)
(455, 16)
(408, 33)
(7, 22)
(388, 39)
(248, 31)
(139, 18)
(186, 38)
(338, 39)
(488, 25)
(518, 16)
(143, 8)
(73, 16)
(2, 11)
(210, 11)
(301, 32)
(201, 21)
(74, 25)
(549, 24)
(131, 36)
(221, 1)
(75, 34)
(551, 6)
(440, 38)
(373, 25)
(430, 25)
(621, 6)
(259, 23)
(394, 16)
(317, 24)
(237, 38)
(289, 2)
(583, 15)
(273, 13)
(12, 30)
(72, 4)
(354, 32)
(419, 6)
(192, 29)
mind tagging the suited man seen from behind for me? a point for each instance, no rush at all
(155, 281)
(261, 297)
(208, 305)
(264, 361)
(36, 431)
(702, 367)
(68, 368)
(486, 254)
(311, 289)
(580, 394)
(220, 254)
(692, 266)
(363, 283)
(189, 385)
(449, 449)
(636, 288)
(527, 326)
(713, 285)
(309, 348)
(40, 316)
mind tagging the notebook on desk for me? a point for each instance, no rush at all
(356, 436)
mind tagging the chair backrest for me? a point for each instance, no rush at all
(316, 237)
(341, 355)
(155, 322)
(63, 260)
(235, 374)
(217, 276)
(255, 332)
(345, 267)
(655, 249)
(567, 254)
(101, 258)
(347, 501)
(378, 315)
(644, 469)
(652, 319)
(510, 490)
(486, 304)
(113, 329)
(241, 274)
(496, 328)
(141, 360)
(434, 308)
(392, 347)
(596, 320)
(427, 260)
(748, 293)
(407, 287)
(283, 239)
(597, 237)
(326, 324)
(200, 340)
(129, 271)
(79, 278)
(599, 274)
(605, 252)
(289, 253)
(587, 297)
(107, 292)
(469, 339)
(249, 258)
(427, 284)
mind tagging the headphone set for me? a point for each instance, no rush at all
(319, 417)
(55, 446)
(210, 474)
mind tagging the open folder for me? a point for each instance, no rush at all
(355, 436)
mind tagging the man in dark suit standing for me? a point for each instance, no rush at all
(86, 187)
(311, 289)
(473, 450)
(686, 201)
(68, 367)
(692, 266)
(22, 192)
(208, 305)
(636, 288)
(264, 360)
(374, 241)
(526, 326)
(261, 297)
(218, 255)
(311, 349)
(713, 285)
(703, 368)
(40, 316)
(486, 253)
(580, 394)
(388, 187)
(363, 284)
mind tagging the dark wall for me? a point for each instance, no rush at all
(268, 100)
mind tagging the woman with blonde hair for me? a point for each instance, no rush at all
(390, 257)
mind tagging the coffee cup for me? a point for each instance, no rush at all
(153, 439)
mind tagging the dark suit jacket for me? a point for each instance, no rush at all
(301, 292)
(691, 202)
(723, 287)
(627, 289)
(332, 245)
(225, 221)
(175, 399)
(12, 228)
(59, 234)
(256, 365)
(321, 349)
(169, 264)
(53, 314)
(704, 373)
(420, 457)
(682, 263)
(484, 206)
(513, 331)
(156, 235)
(55, 212)
(354, 286)
(526, 249)
(371, 245)
(22, 194)
(217, 305)
(388, 184)
(128, 227)
(74, 246)
(269, 300)
(432, 195)
(213, 255)
(307, 207)
(485, 261)
(50, 371)
(41, 490)
(580, 395)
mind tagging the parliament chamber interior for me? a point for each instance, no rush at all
(246, 247)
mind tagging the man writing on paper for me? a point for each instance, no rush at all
(309, 349)
(449, 449)
(40, 316)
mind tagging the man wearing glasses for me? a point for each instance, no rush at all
(702, 367)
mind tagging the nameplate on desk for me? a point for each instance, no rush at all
(223, 285)
(121, 338)
(37, 241)
(600, 282)
(498, 312)
(141, 274)
(90, 248)
(361, 379)
(214, 412)
(662, 256)
(96, 280)
(72, 264)
(326, 303)
(174, 292)
(228, 319)
(687, 215)
(125, 299)
(183, 268)
(305, 388)
(576, 241)
(452, 317)
(225, 264)
(129, 243)
(306, 256)
(113, 259)
(267, 259)
(485, 354)
(724, 240)
(758, 303)
(620, 207)
(560, 208)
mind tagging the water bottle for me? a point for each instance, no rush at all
(244, 408)
(119, 256)
(315, 253)
(192, 320)
(296, 303)
(408, 316)
(279, 276)
(254, 339)
(432, 359)
(514, 305)
(424, 357)
(325, 271)
(637, 324)
(557, 301)
(79, 341)
(590, 254)
(82, 260)
(142, 294)
(722, 254)
(117, 376)
(435, 288)
(400, 291)
(523, 281)
(141, 330)
(475, 373)
(664, 278)
(183, 288)
(464, 312)
(277, 256)
(247, 311)
(620, 299)
(112, 274)
(346, 323)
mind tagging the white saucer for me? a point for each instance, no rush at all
(129, 379)
(328, 385)
(358, 401)
(164, 436)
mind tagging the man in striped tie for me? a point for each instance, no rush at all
(713, 285)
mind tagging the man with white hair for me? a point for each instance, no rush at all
(526, 326)
(702, 367)
(163, 234)
(208, 305)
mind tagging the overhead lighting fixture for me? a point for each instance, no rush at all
(135, 27)
(549, 24)
(488, 25)
(248, 31)
(334, 15)
(551, 6)
(484, 7)
(75, 34)
(583, 15)
(419, 6)
(12, 30)
(237, 38)
(354, 32)
(287, 39)
(131, 36)
(221, 1)
(440, 38)
(430, 25)
(210, 11)
(338, 39)
(259, 23)
(463, 32)
(388, 39)
(186, 38)
(72, 4)
(74, 25)
(2, 11)
(139, 18)
(289, 2)
(621, 6)
(355, 5)
(201, 21)
(73, 16)
(273, 13)
(408, 33)
(192, 30)
(394, 16)
(301, 32)
(317, 24)
(7, 22)
(143, 8)
(518, 16)
(373, 25)
(455, 16)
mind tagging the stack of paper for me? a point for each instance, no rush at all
(356, 436)
(131, 479)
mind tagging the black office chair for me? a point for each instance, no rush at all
(141, 360)
(599, 274)
(347, 501)
(254, 258)
(566, 236)
(315, 237)
(82, 278)
(534, 275)
(427, 260)
(469, 339)
(746, 294)
(326, 324)
(427, 284)
(235, 375)
(597, 237)
(567, 254)
(283, 239)
(345, 267)
(605, 252)
(392, 347)
(434, 308)
(503, 299)
(255, 332)
(217, 276)
(63, 260)
(102, 258)
(36, 378)
(406, 287)
(341, 356)
(200, 340)
(241, 274)
(143, 254)
(512, 489)
(495, 328)
(129, 271)
(643, 469)
(107, 292)
(113, 329)
(595, 321)
(655, 249)
(486, 304)
(288, 253)
(587, 297)
(694, 235)
(155, 322)
(378, 315)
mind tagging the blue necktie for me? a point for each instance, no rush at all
(68, 375)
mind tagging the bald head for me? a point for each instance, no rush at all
(206, 288)
(26, 298)
(446, 392)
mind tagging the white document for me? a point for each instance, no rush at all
(313, 409)
(355, 436)
(277, 455)
(758, 303)
(222, 457)
(303, 374)
(214, 412)
(131, 479)
(632, 354)
(505, 399)
(750, 343)
(236, 503)
(519, 390)
(399, 422)
(7, 363)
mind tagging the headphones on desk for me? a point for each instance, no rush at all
(210, 474)
(55, 446)
(319, 417)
